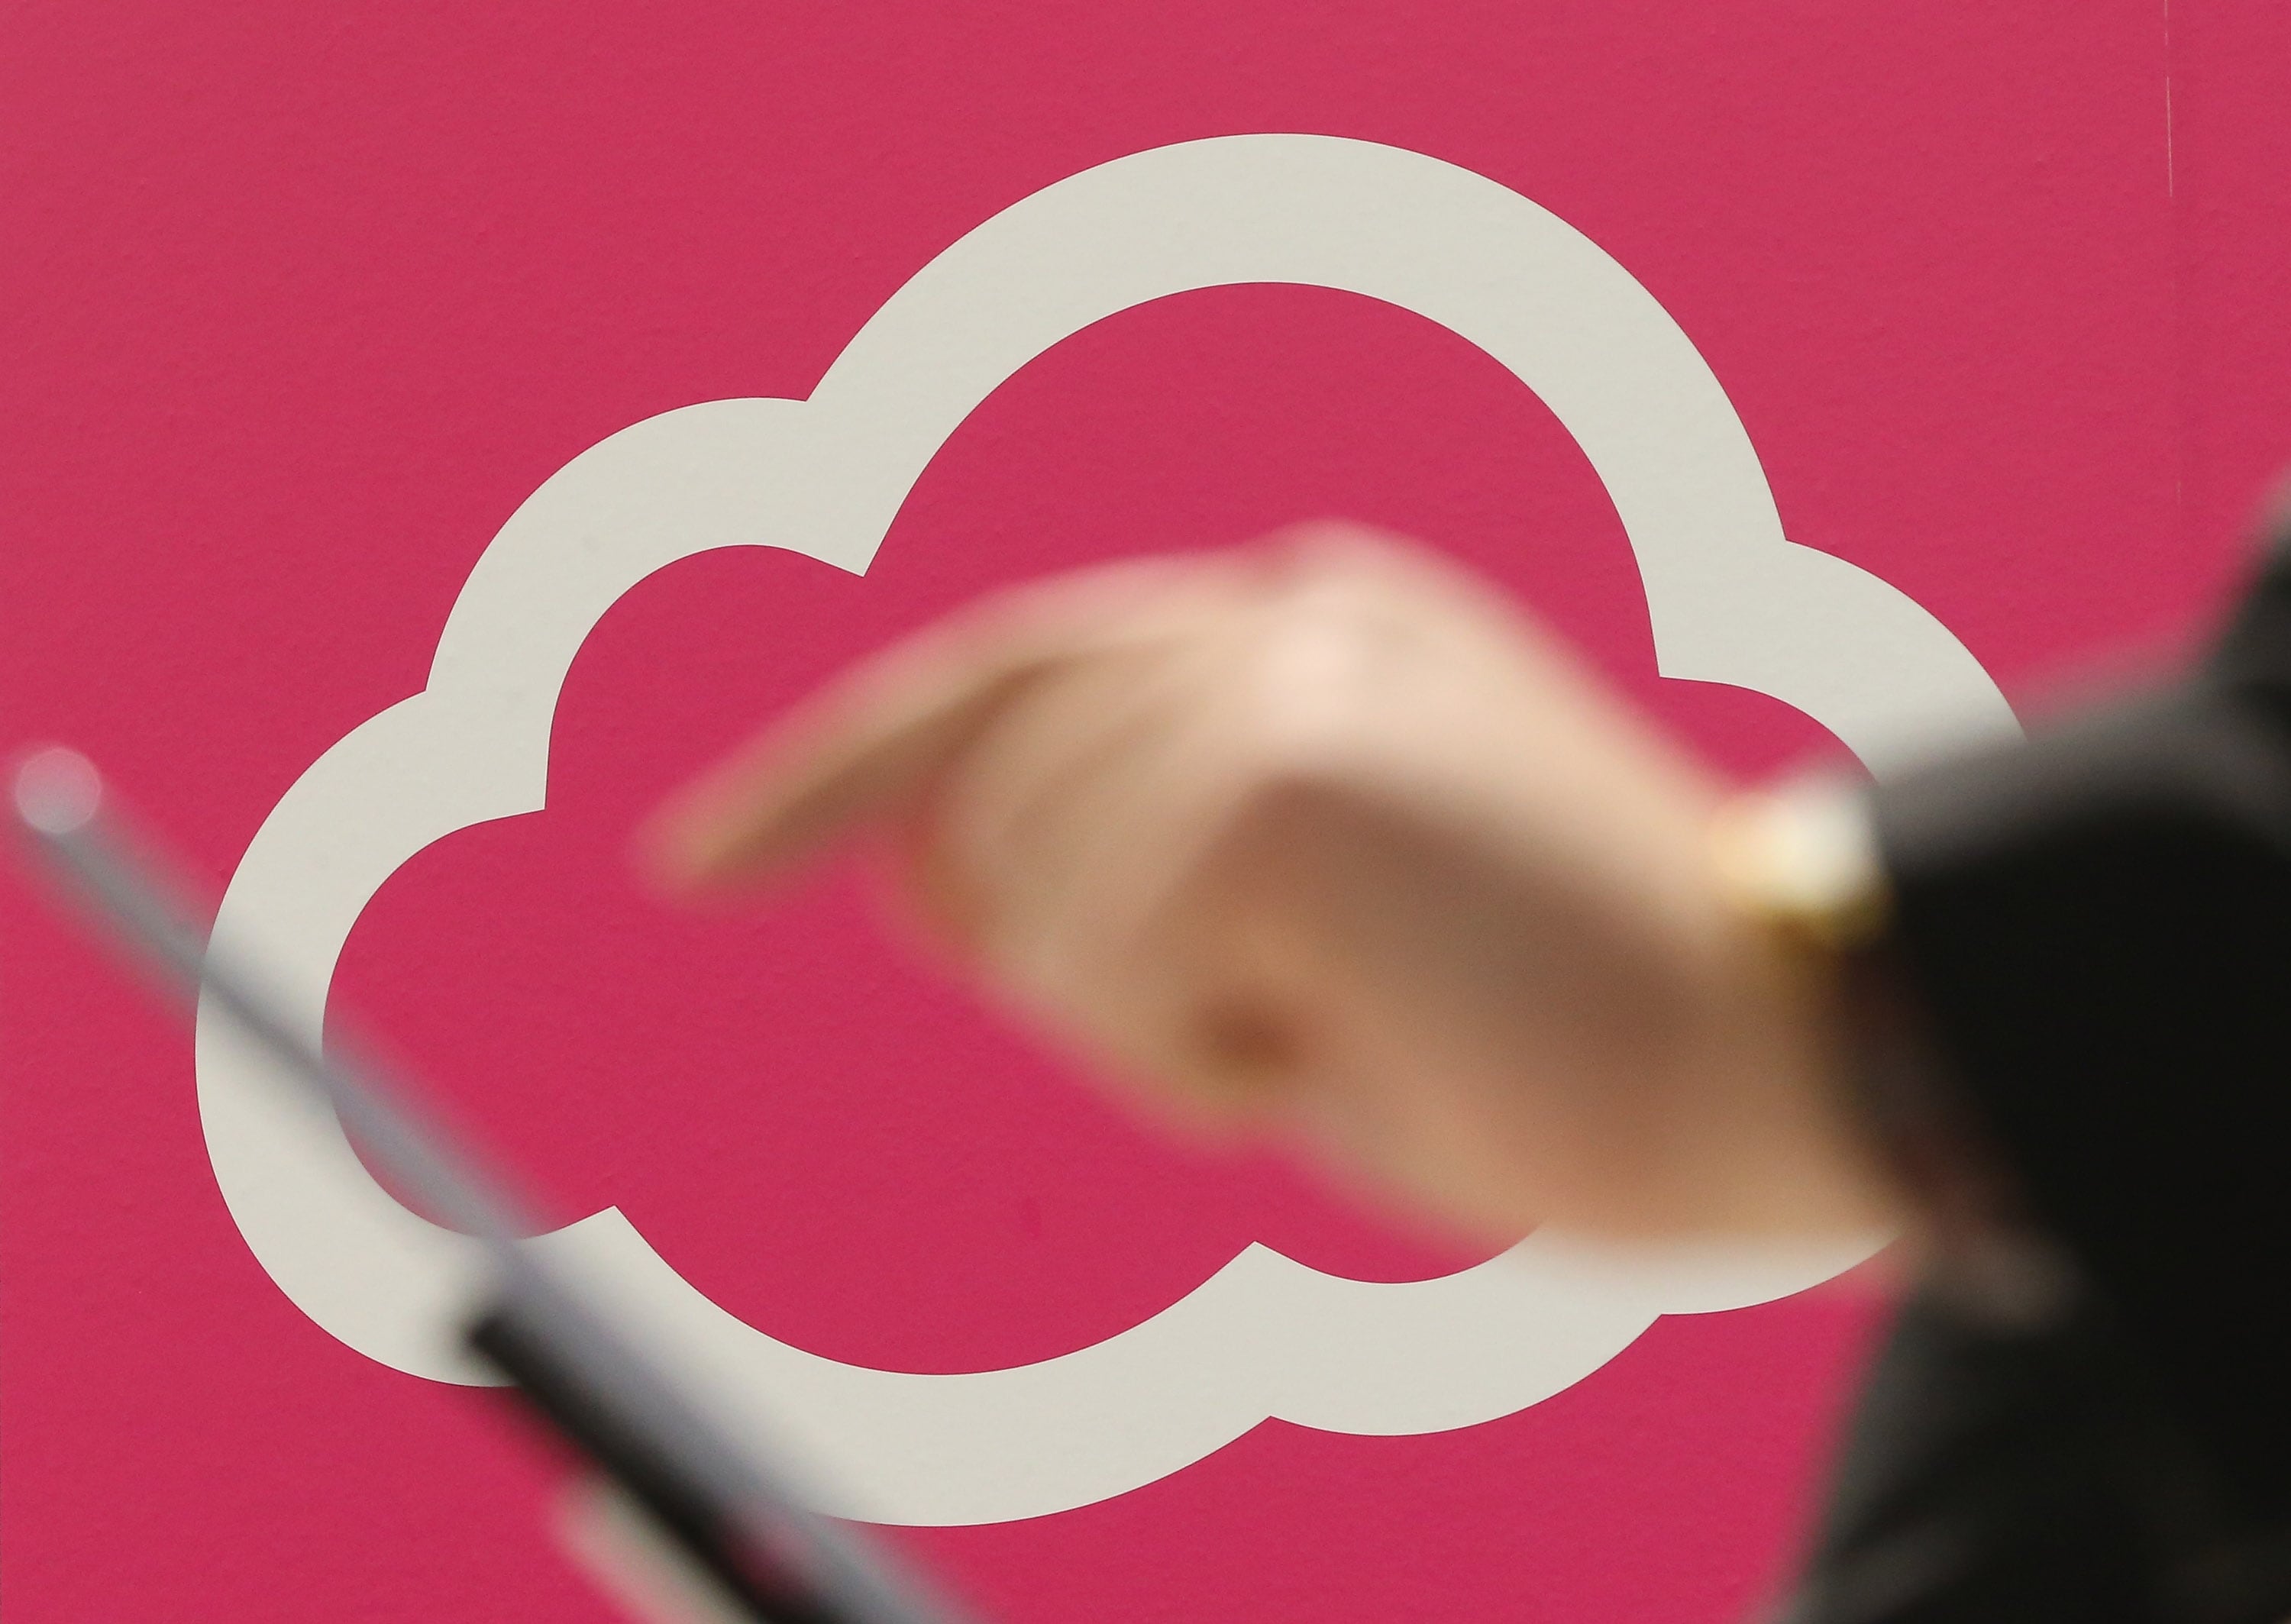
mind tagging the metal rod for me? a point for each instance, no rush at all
(746, 1531)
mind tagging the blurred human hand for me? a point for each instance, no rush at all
(1320, 836)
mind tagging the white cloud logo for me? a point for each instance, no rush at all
(1730, 599)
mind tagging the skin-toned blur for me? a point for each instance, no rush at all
(1323, 838)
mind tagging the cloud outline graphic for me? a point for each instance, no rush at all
(1731, 601)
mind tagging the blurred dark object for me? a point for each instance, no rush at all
(678, 1519)
(2086, 1413)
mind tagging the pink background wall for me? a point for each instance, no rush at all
(301, 301)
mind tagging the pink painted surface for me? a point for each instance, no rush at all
(299, 303)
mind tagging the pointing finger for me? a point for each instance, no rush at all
(866, 750)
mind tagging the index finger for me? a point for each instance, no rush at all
(865, 749)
